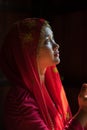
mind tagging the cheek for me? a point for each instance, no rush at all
(45, 54)
(48, 46)
(45, 51)
(48, 52)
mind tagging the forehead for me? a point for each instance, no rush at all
(47, 31)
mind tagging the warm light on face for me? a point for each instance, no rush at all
(47, 53)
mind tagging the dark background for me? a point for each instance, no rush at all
(68, 19)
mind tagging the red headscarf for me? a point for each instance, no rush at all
(18, 62)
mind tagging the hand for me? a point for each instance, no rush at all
(81, 115)
(82, 97)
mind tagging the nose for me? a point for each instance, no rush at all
(55, 46)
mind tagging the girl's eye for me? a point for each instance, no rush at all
(47, 39)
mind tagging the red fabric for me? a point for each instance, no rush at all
(18, 56)
(22, 112)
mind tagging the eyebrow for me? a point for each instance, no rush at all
(47, 35)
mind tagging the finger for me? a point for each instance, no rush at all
(84, 87)
(83, 91)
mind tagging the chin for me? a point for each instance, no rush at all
(57, 61)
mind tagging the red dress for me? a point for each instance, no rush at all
(22, 112)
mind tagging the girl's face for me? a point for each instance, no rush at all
(48, 53)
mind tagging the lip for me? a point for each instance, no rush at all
(56, 53)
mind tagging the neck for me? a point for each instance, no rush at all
(42, 75)
(41, 71)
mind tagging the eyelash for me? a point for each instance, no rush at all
(48, 39)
